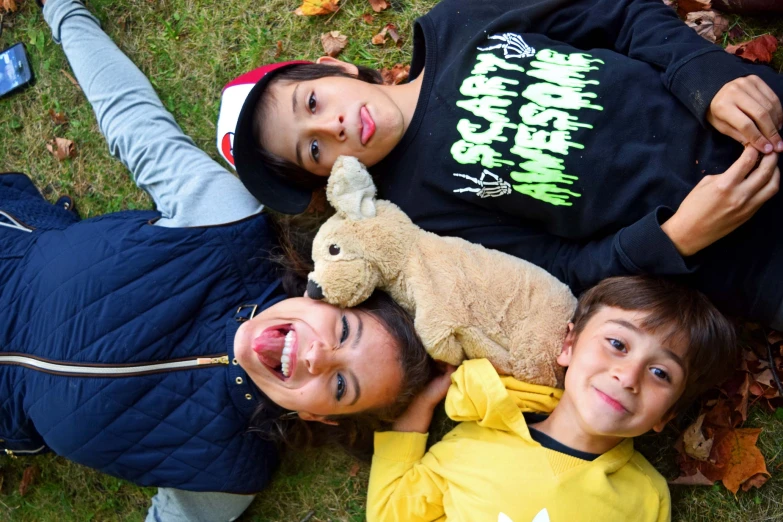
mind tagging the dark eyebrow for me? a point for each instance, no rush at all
(627, 324)
(354, 344)
(294, 96)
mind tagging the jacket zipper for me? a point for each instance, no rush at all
(107, 370)
(15, 223)
(100, 370)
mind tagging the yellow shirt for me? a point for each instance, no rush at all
(489, 469)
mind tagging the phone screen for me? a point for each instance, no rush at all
(14, 69)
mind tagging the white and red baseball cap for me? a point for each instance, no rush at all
(238, 145)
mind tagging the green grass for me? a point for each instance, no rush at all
(189, 50)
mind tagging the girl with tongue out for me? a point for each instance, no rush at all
(162, 347)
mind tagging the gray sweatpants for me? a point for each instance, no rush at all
(188, 187)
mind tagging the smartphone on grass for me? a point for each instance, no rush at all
(15, 71)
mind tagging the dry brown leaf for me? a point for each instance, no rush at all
(708, 24)
(58, 118)
(392, 30)
(688, 6)
(396, 75)
(9, 6)
(379, 5)
(697, 479)
(333, 42)
(70, 77)
(354, 470)
(29, 476)
(756, 481)
(774, 337)
(380, 38)
(317, 7)
(61, 148)
(278, 49)
(368, 18)
(757, 50)
(694, 443)
(740, 457)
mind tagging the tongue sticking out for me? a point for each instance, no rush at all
(269, 346)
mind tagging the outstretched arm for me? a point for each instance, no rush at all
(188, 187)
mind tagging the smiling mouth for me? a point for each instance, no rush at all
(368, 125)
(275, 347)
(612, 403)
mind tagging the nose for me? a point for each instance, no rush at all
(314, 290)
(319, 358)
(332, 125)
(628, 374)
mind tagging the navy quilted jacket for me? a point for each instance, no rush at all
(116, 343)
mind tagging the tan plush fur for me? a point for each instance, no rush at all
(468, 301)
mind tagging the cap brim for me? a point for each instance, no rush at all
(267, 187)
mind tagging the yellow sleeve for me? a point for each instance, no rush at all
(401, 486)
(665, 511)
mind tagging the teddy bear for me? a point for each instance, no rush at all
(467, 301)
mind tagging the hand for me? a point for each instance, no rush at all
(418, 416)
(721, 203)
(747, 110)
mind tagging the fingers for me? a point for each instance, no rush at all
(740, 169)
(763, 182)
(755, 124)
(747, 110)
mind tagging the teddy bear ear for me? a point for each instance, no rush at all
(350, 189)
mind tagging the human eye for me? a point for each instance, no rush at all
(617, 344)
(660, 374)
(315, 151)
(340, 386)
(346, 330)
(311, 102)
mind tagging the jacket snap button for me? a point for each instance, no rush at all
(234, 361)
(239, 380)
(248, 396)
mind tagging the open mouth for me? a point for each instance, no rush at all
(275, 347)
(368, 125)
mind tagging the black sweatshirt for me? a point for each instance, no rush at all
(566, 132)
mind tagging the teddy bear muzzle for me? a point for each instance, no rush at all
(314, 290)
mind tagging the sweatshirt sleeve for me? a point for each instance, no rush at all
(641, 248)
(401, 486)
(188, 187)
(692, 68)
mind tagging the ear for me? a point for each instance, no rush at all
(350, 189)
(334, 62)
(567, 350)
(305, 416)
(660, 425)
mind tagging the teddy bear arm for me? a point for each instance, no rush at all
(478, 345)
(438, 340)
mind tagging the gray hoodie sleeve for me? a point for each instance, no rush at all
(188, 187)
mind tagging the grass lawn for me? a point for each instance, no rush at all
(189, 49)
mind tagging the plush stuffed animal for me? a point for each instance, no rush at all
(467, 301)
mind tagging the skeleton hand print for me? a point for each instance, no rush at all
(489, 185)
(513, 46)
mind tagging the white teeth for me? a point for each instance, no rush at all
(285, 359)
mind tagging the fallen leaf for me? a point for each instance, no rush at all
(735, 450)
(688, 6)
(774, 337)
(757, 50)
(380, 38)
(58, 118)
(9, 6)
(396, 75)
(61, 148)
(707, 24)
(736, 32)
(720, 415)
(368, 18)
(29, 476)
(70, 77)
(333, 42)
(354, 470)
(379, 5)
(279, 49)
(317, 7)
(392, 30)
(694, 443)
(697, 479)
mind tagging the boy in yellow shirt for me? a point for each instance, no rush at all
(638, 351)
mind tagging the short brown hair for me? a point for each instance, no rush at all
(683, 315)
